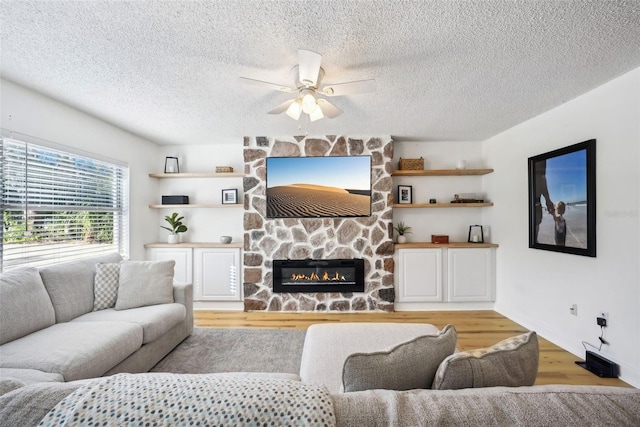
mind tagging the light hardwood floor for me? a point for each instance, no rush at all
(476, 329)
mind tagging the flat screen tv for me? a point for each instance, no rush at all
(318, 187)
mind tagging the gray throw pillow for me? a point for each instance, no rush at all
(25, 305)
(510, 363)
(145, 283)
(105, 285)
(407, 366)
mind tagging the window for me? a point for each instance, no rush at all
(59, 206)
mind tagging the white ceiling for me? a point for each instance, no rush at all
(445, 70)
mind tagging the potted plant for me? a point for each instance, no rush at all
(402, 230)
(176, 227)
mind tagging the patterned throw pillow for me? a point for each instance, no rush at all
(105, 285)
(510, 363)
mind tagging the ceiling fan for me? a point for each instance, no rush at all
(308, 78)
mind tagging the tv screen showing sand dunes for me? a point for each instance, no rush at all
(315, 187)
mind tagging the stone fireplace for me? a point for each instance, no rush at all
(268, 241)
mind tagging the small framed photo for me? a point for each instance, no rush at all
(405, 194)
(230, 196)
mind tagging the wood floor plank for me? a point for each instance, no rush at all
(476, 329)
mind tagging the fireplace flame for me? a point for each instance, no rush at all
(326, 277)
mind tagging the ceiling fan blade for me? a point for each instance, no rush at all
(282, 107)
(350, 88)
(328, 109)
(274, 86)
(308, 67)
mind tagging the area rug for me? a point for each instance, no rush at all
(209, 350)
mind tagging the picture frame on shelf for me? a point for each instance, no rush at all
(562, 200)
(405, 194)
(230, 196)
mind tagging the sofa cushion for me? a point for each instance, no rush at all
(70, 285)
(327, 346)
(145, 283)
(105, 285)
(8, 384)
(75, 350)
(156, 320)
(30, 376)
(512, 363)
(407, 366)
(25, 306)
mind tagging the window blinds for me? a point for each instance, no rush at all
(59, 206)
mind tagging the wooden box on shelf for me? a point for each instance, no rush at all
(411, 164)
(439, 238)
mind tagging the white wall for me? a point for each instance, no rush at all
(534, 287)
(39, 116)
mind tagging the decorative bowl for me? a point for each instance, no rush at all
(225, 239)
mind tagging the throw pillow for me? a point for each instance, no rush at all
(511, 363)
(145, 283)
(407, 366)
(105, 285)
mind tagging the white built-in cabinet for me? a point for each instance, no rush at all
(419, 277)
(445, 274)
(212, 268)
(470, 274)
(183, 270)
(216, 272)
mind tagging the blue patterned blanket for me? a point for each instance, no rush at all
(207, 400)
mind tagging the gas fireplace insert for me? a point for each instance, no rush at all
(325, 275)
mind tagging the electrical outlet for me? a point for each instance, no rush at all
(603, 319)
(573, 309)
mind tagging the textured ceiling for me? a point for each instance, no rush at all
(445, 70)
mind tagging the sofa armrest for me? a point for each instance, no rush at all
(183, 294)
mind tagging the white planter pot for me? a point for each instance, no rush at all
(173, 238)
(401, 239)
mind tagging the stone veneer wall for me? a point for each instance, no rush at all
(369, 238)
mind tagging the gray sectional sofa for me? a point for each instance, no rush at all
(351, 374)
(49, 330)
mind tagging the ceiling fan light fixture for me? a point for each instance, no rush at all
(295, 109)
(309, 103)
(316, 114)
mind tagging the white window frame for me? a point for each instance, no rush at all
(61, 203)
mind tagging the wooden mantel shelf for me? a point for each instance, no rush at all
(442, 172)
(421, 245)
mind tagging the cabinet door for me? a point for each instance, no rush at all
(420, 275)
(217, 274)
(470, 274)
(183, 271)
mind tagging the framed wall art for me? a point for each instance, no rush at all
(230, 196)
(562, 200)
(405, 194)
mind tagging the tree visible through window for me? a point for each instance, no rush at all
(59, 206)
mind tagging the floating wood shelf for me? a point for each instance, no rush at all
(194, 245)
(420, 245)
(198, 175)
(442, 205)
(441, 172)
(205, 205)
